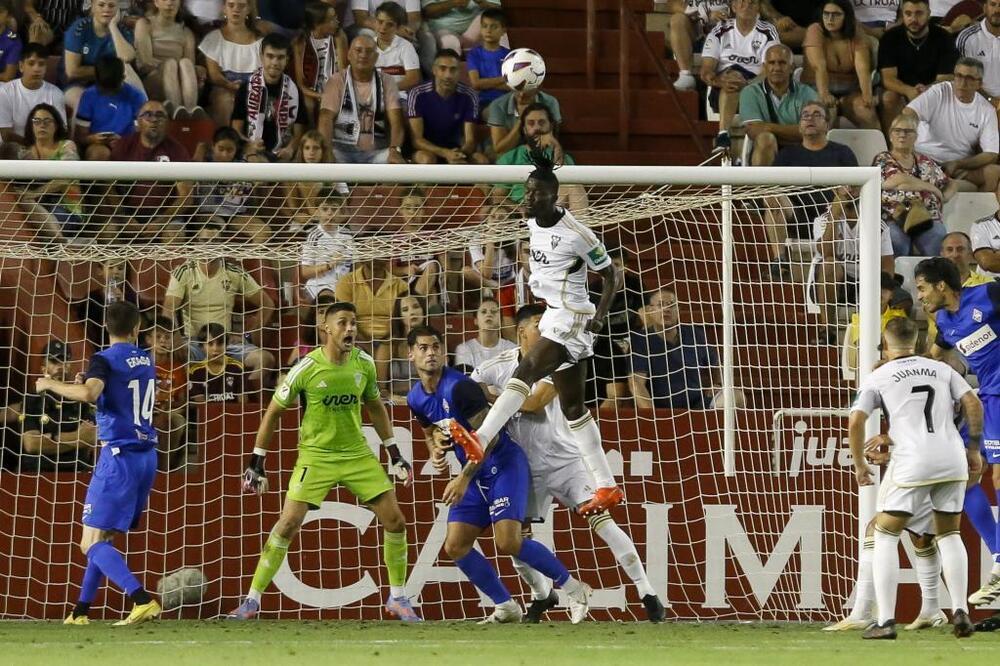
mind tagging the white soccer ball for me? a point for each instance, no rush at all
(182, 587)
(523, 69)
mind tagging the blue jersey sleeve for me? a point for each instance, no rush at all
(98, 368)
(468, 399)
(993, 291)
(417, 411)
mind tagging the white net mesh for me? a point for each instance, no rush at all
(775, 540)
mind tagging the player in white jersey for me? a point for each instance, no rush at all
(556, 469)
(985, 238)
(917, 395)
(561, 251)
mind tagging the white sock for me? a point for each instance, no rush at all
(864, 588)
(254, 594)
(397, 591)
(540, 585)
(588, 440)
(928, 566)
(995, 570)
(628, 557)
(885, 570)
(507, 404)
(955, 563)
(571, 585)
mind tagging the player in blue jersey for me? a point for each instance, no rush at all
(497, 494)
(121, 380)
(968, 320)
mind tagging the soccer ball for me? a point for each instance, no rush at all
(523, 69)
(182, 587)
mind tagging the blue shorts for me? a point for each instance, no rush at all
(119, 489)
(499, 491)
(991, 428)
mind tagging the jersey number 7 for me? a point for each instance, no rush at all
(142, 406)
(928, 405)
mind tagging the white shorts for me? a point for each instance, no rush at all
(567, 329)
(571, 485)
(921, 501)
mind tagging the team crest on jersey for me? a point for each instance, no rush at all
(447, 407)
(977, 315)
(358, 378)
(755, 44)
(555, 241)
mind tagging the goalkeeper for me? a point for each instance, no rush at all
(334, 381)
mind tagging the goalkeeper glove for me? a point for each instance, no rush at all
(254, 478)
(398, 466)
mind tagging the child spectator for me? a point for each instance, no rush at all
(170, 358)
(451, 25)
(327, 251)
(312, 333)
(487, 344)
(88, 39)
(363, 13)
(10, 44)
(232, 54)
(396, 373)
(396, 55)
(226, 203)
(301, 198)
(483, 62)
(107, 110)
(165, 56)
(20, 96)
(422, 272)
(317, 53)
(219, 378)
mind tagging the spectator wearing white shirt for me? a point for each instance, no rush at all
(982, 41)
(327, 250)
(985, 239)
(396, 56)
(876, 15)
(955, 123)
(363, 17)
(20, 96)
(690, 21)
(487, 344)
(733, 56)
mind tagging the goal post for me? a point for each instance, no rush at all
(732, 519)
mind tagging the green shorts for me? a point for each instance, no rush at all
(312, 481)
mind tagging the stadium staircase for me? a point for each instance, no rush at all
(609, 118)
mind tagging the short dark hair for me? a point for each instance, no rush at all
(902, 329)
(939, 269)
(33, 49)
(109, 72)
(423, 331)
(7, 5)
(394, 11)
(226, 133)
(340, 306)
(528, 311)
(29, 129)
(531, 108)
(121, 318)
(166, 323)
(276, 41)
(315, 14)
(447, 53)
(915, 2)
(496, 14)
(213, 330)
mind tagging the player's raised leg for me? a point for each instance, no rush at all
(293, 512)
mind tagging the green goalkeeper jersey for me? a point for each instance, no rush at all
(332, 395)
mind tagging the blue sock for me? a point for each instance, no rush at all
(92, 578)
(112, 564)
(483, 576)
(541, 559)
(980, 513)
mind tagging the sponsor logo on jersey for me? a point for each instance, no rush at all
(499, 505)
(447, 407)
(977, 315)
(343, 400)
(977, 341)
(539, 257)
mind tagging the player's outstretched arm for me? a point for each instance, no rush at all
(613, 281)
(379, 417)
(254, 477)
(856, 436)
(88, 391)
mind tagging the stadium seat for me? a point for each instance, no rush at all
(866, 143)
(967, 207)
(190, 133)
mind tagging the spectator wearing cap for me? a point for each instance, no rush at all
(53, 425)
(107, 110)
(170, 407)
(219, 377)
(443, 115)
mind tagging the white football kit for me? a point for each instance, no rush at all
(560, 257)
(917, 396)
(557, 470)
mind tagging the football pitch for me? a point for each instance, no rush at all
(182, 642)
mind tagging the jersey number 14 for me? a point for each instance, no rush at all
(142, 405)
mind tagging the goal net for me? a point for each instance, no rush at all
(720, 383)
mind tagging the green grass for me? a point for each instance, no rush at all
(179, 643)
